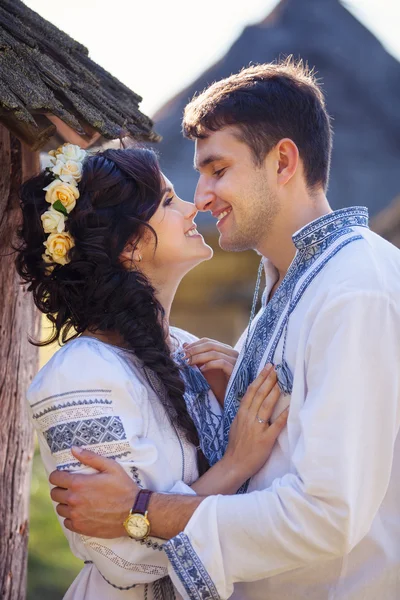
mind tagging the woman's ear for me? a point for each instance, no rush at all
(130, 255)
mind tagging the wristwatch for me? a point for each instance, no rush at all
(137, 524)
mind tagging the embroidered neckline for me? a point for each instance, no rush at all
(318, 230)
(316, 244)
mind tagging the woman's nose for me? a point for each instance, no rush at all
(190, 210)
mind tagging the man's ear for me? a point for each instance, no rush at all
(287, 160)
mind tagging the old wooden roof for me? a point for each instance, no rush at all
(46, 76)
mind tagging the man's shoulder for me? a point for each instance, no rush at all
(368, 264)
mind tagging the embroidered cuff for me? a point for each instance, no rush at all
(190, 570)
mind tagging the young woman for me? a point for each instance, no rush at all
(105, 243)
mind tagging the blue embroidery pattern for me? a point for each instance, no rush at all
(311, 242)
(72, 393)
(208, 423)
(81, 421)
(70, 404)
(85, 433)
(321, 239)
(197, 582)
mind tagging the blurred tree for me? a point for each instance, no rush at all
(48, 87)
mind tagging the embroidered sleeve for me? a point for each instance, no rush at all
(102, 408)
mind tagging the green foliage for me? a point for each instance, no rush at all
(51, 564)
(57, 205)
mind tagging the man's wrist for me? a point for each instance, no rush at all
(127, 503)
(170, 513)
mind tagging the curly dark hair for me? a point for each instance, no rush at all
(120, 191)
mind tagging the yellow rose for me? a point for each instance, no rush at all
(57, 247)
(54, 153)
(68, 171)
(53, 221)
(66, 193)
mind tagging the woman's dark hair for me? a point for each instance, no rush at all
(267, 103)
(120, 190)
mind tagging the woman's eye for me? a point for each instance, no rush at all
(168, 201)
(219, 172)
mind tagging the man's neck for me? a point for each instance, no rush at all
(278, 247)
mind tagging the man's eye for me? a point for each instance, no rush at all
(168, 201)
(219, 172)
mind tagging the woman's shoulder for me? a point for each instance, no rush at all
(82, 364)
(182, 336)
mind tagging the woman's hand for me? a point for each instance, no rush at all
(215, 360)
(252, 436)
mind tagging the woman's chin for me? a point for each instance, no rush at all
(206, 254)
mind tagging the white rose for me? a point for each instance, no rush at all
(57, 247)
(53, 221)
(69, 171)
(66, 193)
(71, 152)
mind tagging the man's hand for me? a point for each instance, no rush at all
(94, 505)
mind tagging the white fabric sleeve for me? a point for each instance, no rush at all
(107, 412)
(341, 464)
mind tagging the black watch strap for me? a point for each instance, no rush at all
(142, 502)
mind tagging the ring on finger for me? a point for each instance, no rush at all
(264, 421)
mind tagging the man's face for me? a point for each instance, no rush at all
(236, 190)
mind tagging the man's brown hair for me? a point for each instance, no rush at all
(267, 103)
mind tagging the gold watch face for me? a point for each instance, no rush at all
(137, 526)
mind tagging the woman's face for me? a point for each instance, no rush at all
(180, 247)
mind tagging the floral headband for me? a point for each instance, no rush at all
(62, 194)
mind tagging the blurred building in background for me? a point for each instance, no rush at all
(361, 82)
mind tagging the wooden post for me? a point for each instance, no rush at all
(18, 363)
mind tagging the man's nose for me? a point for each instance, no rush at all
(203, 197)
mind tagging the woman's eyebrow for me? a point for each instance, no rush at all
(166, 190)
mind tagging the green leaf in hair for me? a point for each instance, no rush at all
(59, 206)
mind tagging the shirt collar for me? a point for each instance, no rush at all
(323, 227)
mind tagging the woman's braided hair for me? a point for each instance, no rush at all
(120, 190)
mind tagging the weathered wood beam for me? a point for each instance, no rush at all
(18, 364)
(35, 137)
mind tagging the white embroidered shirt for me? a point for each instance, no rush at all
(322, 518)
(94, 395)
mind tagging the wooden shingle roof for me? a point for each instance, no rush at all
(45, 75)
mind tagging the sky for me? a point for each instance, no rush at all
(158, 47)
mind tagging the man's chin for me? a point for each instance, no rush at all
(233, 245)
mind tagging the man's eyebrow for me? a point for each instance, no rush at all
(207, 161)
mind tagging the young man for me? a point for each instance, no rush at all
(321, 519)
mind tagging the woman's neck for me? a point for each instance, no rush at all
(165, 291)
